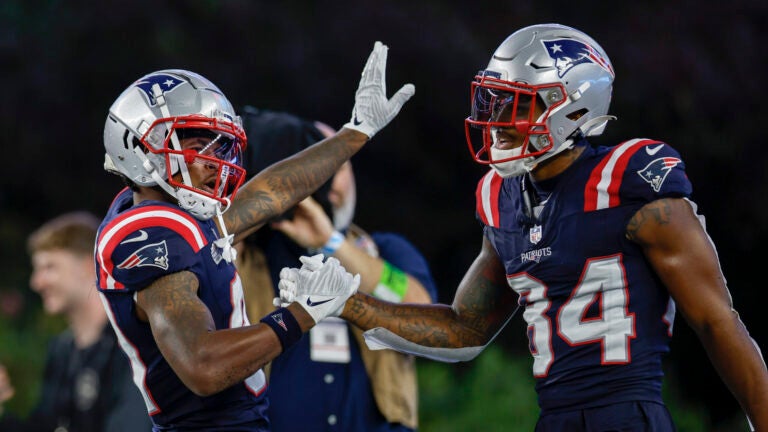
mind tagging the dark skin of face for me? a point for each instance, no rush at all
(202, 174)
(510, 138)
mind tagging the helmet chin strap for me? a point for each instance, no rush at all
(518, 167)
(150, 168)
(567, 144)
(514, 167)
(199, 205)
(228, 252)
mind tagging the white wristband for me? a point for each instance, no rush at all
(333, 243)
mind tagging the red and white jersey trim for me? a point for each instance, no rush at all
(178, 221)
(137, 365)
(602, 189)
(487, 196)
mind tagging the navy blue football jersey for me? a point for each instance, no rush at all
(599, 319)
(138, 244)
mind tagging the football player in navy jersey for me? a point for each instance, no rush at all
(165, 262)
(600, 247)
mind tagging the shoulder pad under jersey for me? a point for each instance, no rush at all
(638, 170)
(145, 243)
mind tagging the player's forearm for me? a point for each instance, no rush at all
(433, 325)
(279, 187)
(227, 357)
(482, 305)
(205, 359)
(739, 362)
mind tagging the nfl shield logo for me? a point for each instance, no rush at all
(535, 234)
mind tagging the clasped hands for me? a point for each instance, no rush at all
(322, 288)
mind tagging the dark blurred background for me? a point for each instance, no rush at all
(691, 73)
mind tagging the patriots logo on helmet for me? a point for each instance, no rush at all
(568, 53)
(655, 172)
(166, 83)
(155, 255)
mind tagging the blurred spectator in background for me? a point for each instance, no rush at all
(87, 383)
(362, 390)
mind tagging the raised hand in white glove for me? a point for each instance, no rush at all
(321, 288)
(372, 109)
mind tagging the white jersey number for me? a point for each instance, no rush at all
(602, 283)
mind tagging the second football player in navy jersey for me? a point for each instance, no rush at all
(591, 298)
(600, 246)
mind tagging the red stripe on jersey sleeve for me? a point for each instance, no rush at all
(176, 220)
(590, 190)
(618, 165)
(487, 198)
(479, 200)
(496, 181)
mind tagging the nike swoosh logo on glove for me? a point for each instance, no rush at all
(355, 121)
(312, 304)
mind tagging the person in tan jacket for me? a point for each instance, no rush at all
(360, 389)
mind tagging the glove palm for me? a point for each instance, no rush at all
(372, 109)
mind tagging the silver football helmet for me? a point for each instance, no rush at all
(547, 84)
(144, 129)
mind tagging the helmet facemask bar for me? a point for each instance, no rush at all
(219, 149)
(499, 104)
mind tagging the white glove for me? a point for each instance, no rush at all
(313, 263)
(320, 288)
(372, 109)
(288, 289)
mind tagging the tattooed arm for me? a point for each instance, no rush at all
(482, 305)
(283, 184)
(205, 359)
(683, 256)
